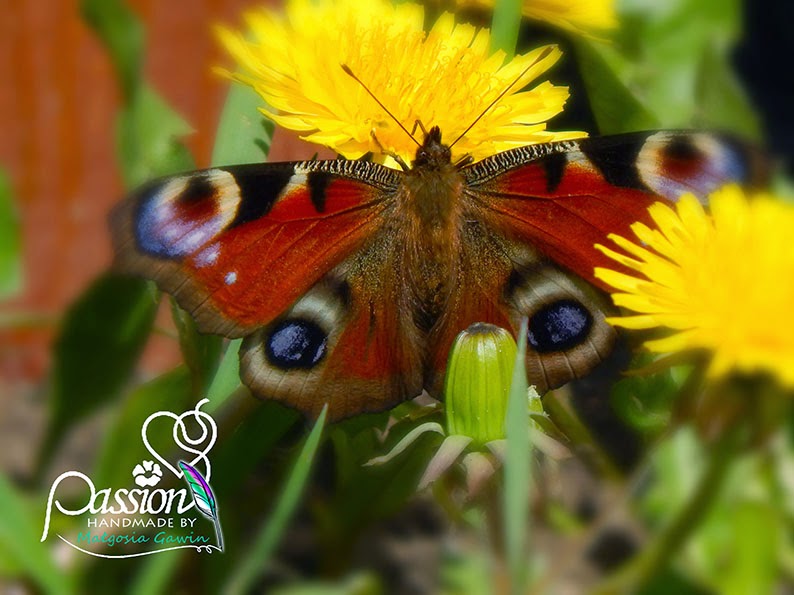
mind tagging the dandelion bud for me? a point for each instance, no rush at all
(477, 383)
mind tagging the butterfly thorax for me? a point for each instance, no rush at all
(430, 204)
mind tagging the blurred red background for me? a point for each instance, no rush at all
(58, 105)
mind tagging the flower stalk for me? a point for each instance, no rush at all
(656, 555)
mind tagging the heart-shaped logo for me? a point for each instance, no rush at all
(199, 445)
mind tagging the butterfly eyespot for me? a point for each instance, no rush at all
(296, 343)
(177, 217)
(559, 326)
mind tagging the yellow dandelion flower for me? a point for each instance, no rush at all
(583, 17)
(445, 77)
(722, 282)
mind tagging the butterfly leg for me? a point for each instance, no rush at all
(391, 154)
(418, 124)
(464, 161)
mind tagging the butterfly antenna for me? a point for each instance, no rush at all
(349, 72)
(542, 56)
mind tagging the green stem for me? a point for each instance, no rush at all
(656, 555)
(505, 26)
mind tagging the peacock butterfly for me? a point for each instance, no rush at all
(349, 280)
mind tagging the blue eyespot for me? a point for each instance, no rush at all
(559, 326)
(296, 343)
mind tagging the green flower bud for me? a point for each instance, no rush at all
(477, 384)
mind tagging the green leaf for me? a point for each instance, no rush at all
(671, 581)
(409, 439)
(102, 336)
(10, 242)
(148, 139)
(148, 129)
(669, 66)
(646, 402)
(252, 564)
(366, 494)
(466, 571)
(752, 564)
(676, 461)
(517, 471)
(244, 134)
(616, 108)
(19, 530)
(122, 447)
(721, 100)
(505, 24)
(123, 37)
(227, 377)
(156, 573)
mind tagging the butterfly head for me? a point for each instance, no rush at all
(432, 153)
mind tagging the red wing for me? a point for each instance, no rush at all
(237, 246)
(563, 198)
(502, 282)
(350, 342)
(531, 209)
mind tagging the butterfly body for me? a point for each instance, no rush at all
(350, 280)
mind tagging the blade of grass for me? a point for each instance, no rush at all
(227, 377)
(268, 537)
(517, 471)
(156, 573)
(18, 528)
(505, 25)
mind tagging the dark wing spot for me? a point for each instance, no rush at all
(559, 326)
(198, 188)
(295, 343)
(681, 147)
(318, 183)
(554, 166)
(259, 190)
(616, 161)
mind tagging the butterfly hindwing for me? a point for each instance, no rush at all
(503, 283)
(349, 342)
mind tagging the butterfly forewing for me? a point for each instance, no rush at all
(563, 198)
(237, 246)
